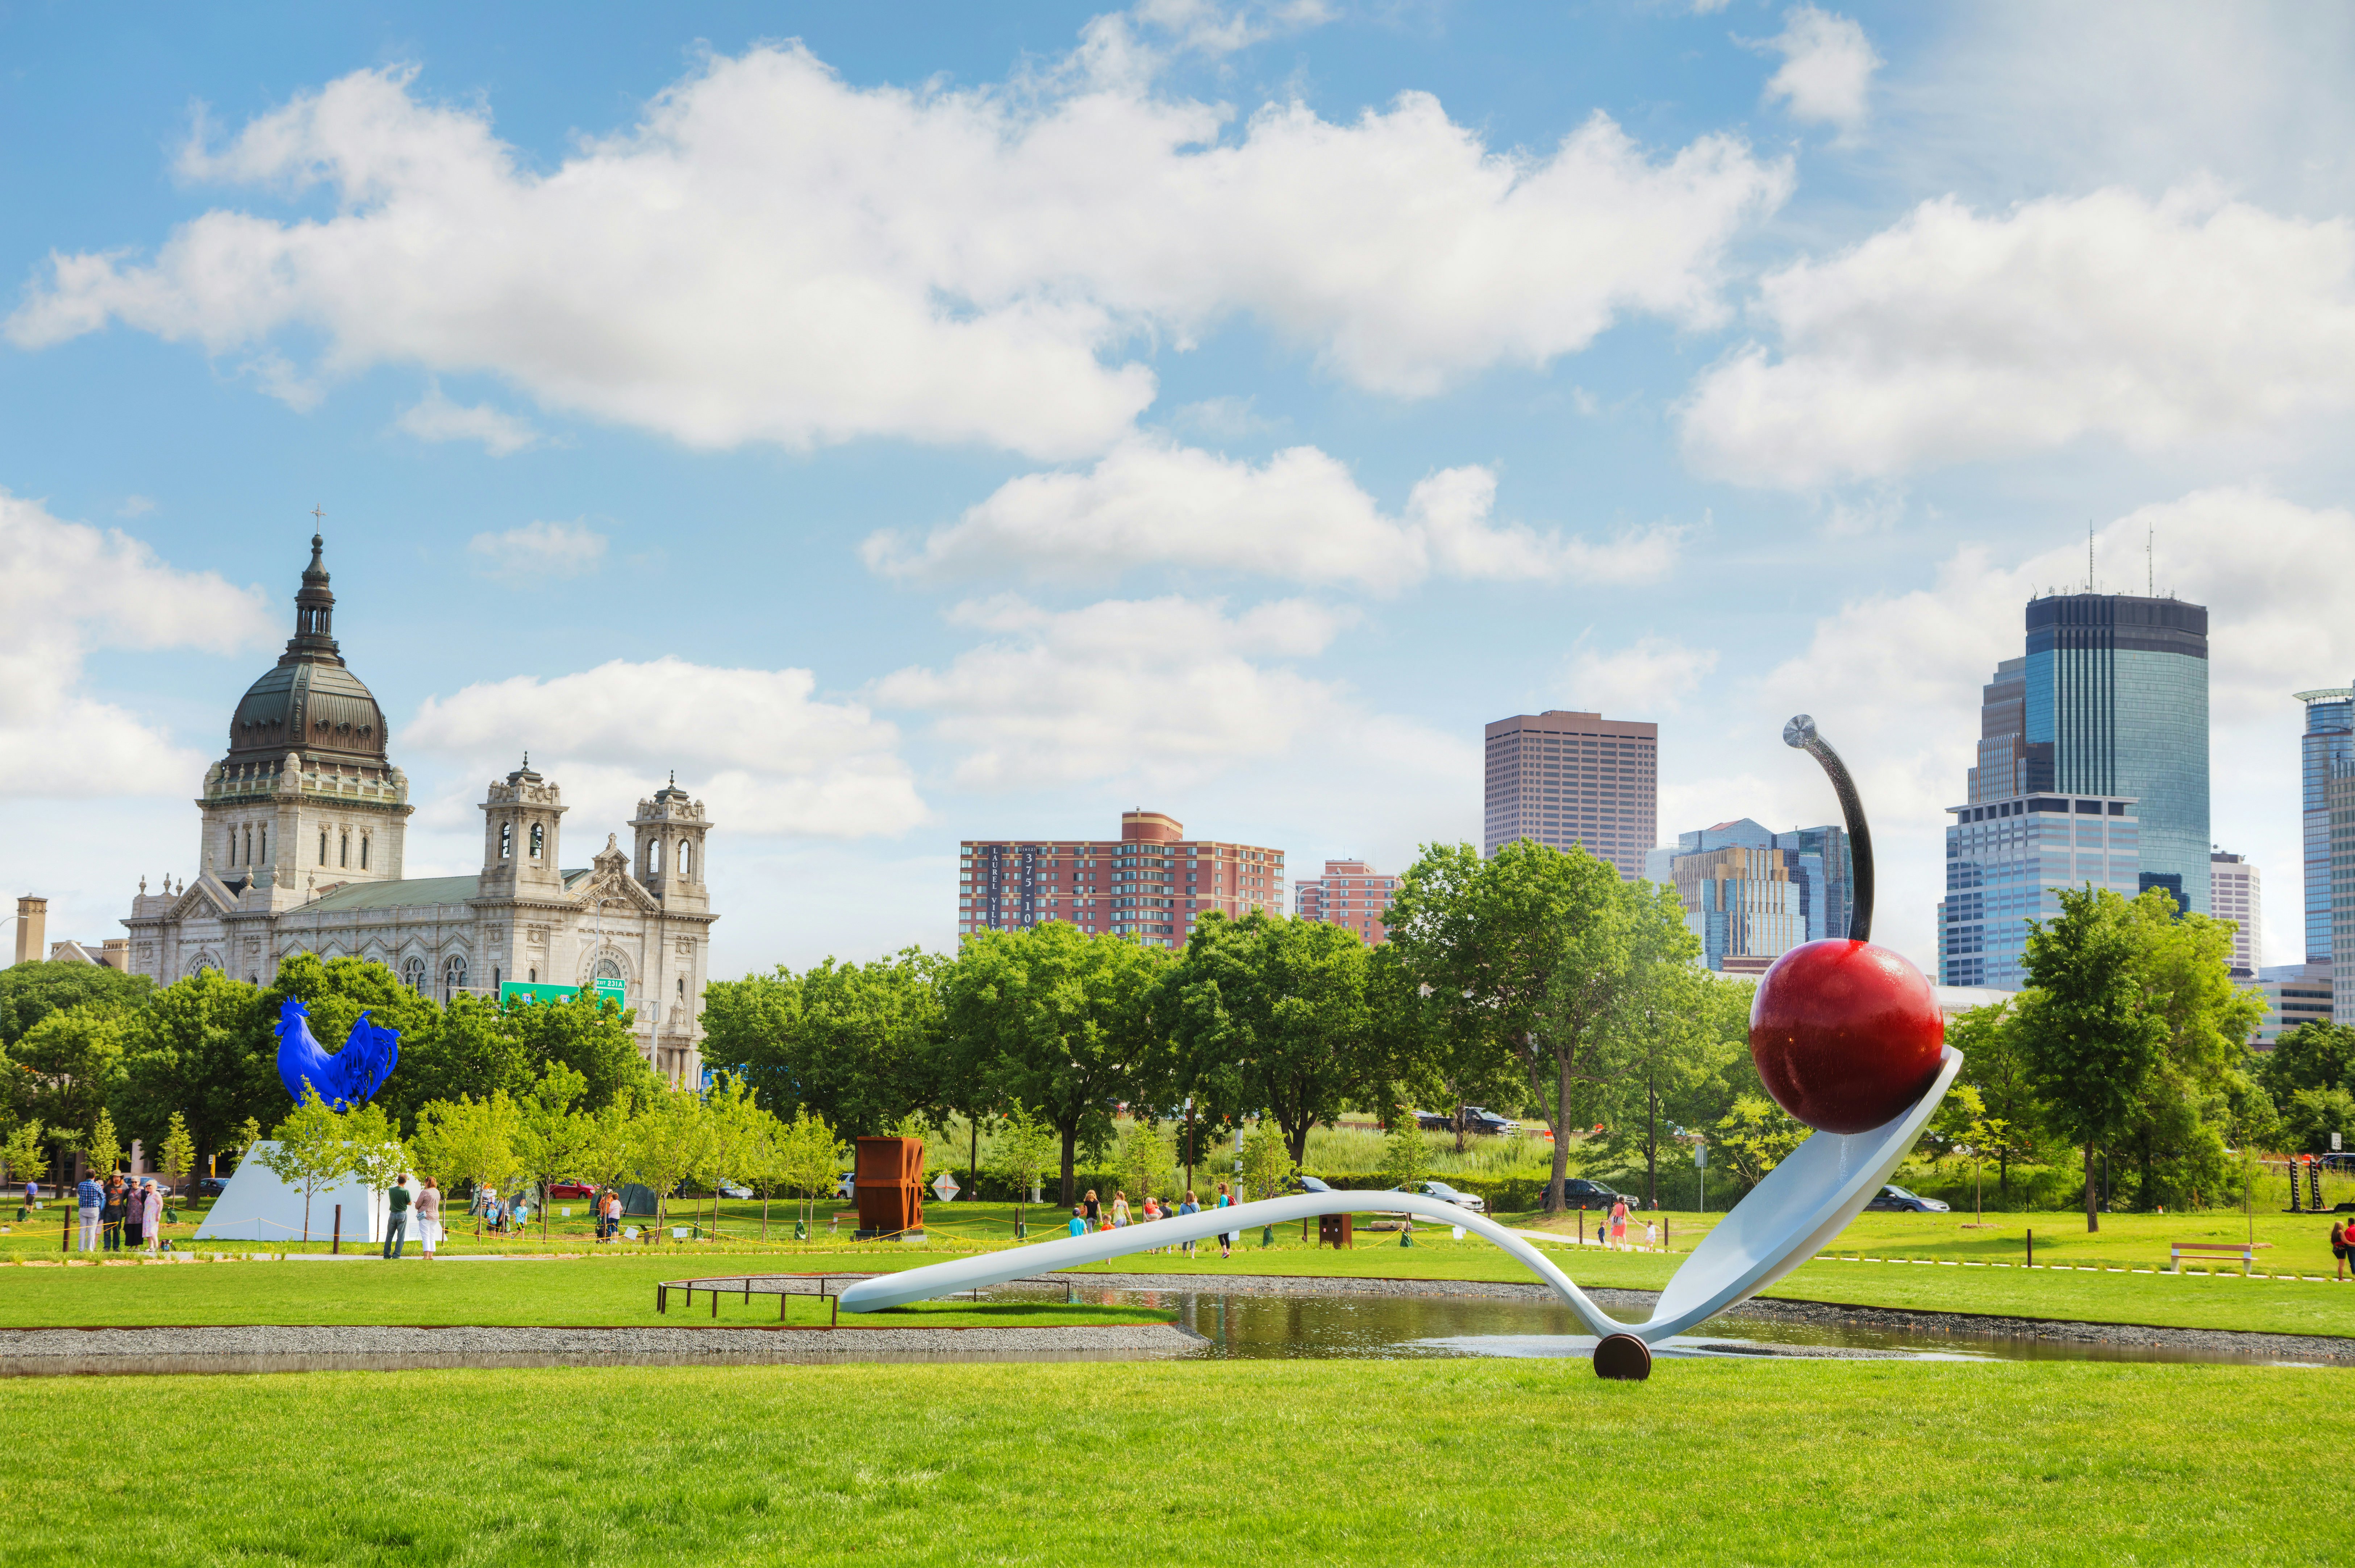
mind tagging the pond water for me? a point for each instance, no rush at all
(1256, 1328)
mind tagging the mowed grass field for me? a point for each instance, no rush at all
(1422, 1462)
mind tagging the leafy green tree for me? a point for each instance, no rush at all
(1757, 1136)
(471, 1049)
(551, 1135)
(1270, 1013)
(308, 1151)
(669, 1139)
(1995, 1065)
(860, 1043)
(101, 1147)
(178, 1153)
(2175, 1141)
(195, 1051)
(373, 1151)
(2313, 1115)
(1147, 1155)
(2090, 1044)
(73, 1065)
(468, 1140)
(812, 1162)
(26, 1152)
(1062, 1020)
(735, 1124)
(32, 991)
(1018, 1154)
(2311, 1056)
(591, 1037)
(1670, 1034)
(1406, 1161)
(1268, 1160)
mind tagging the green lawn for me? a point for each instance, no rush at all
(603, 1292)
(1423, 1462)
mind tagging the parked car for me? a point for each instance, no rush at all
(1897, 1200)
(847, 1188)
(211, 1186)
(1447, 1194)
(1578, 1192)
(1310, 1184)
(1477, 1118)
(557, 1189)
(734, 1190)
(1435, 1121)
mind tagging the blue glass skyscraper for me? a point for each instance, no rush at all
(2117, 685)
(2330, 737)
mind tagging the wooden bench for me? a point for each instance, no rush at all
(2217, 1251)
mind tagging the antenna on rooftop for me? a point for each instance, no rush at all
(2089, 554)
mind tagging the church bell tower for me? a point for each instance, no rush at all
(521, 817)
(668, 860)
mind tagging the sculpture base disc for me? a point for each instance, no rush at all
(1623, 1357)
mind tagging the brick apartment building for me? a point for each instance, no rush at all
(1350, 894)
(1564, 779)
(1150, 883)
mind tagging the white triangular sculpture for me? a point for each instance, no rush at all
(257, 1206)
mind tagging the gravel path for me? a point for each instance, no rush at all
(37, 1353)
(1960, 1326)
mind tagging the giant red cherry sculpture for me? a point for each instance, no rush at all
(1846, 1034)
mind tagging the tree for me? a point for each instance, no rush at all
(1268, 1160)
(2311, 1056)
(195, 1051)
(552, 1138)
(1406, 1160)
(310, 1150)
(1018, 1154)
(26, 1152)
(734, 1130)
(605, 1151)
(1062, 1020)
(810, 1163)
(860, 1043)
(1995, 1065)
(467, 1140)
(2089, 1044)
(1757, 1136)
(590, 1036)
(469, 1050)
(72, 1066)
(669, 1140)
(1147, 1154)
(101, 1147)
(179, 1151)
(1269, 1014)
(32, 991)
(2175, 1139)
(373, 1151)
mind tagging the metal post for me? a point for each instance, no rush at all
(662, 1298)
(65, 1233)
(834, 1319)
(336, 1244)
(2031, 1247)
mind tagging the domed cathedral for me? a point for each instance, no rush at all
(302, 851)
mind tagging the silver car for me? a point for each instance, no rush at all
(1447, 1194)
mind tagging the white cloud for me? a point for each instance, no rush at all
(1299, 515)
(764, 753)
(135, 507)
(539, 550)
(1162, 690)
(1954, 337)
(1827, 66)
(1651, 675)
(1894, 680)
(433, 417)
(67, 589)
(771, 254)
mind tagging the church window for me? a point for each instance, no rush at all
(265, 844)
(685, 857)
(609, 969)
(494, 979)
(539, 839)
(654, 857)
(323, 846)
(454, 977)
(506, 841)
(413, 973)
(344, 849)
(364, 839)
(535, 977)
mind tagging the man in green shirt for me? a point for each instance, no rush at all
(396, 1224)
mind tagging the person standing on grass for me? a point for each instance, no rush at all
(2338, 1245)
(1094, 1210)
(151, 1222)
(1225, 1238)
(1619, 1225)
(110, 1214)
(429, 1217)
(92, 1202)
(396, 1218)
(1119, 1209)
(127, 1200)
(1188, 1207)
(1078, 1219)
(1152, 1213)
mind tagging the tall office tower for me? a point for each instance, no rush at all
(2235, 892)
(2008, 765)
(2119, 685)
(1751, 895)
(2338, 800)
(2330, 737)
(1350, 894)
(2007, 862)
(1151, 882)
(1564, 779)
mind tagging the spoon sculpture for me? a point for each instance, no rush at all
(1848, 1039)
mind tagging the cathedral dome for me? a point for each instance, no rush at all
(310, 702)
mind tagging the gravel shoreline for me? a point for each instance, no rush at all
(53, 1352)
(1959, 1326)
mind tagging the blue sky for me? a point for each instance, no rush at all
(920, 422)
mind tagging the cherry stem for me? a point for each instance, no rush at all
(1800, 733)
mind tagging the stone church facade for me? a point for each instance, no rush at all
(303, 820)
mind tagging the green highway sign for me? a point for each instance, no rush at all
(525, 990)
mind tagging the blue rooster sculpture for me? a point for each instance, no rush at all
(347, 1078)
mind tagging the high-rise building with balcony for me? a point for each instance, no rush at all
(1350, 894)
(2007, 863)
(1152, 882)
(2236, 893)
(1562, 777)
(2330, 739)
